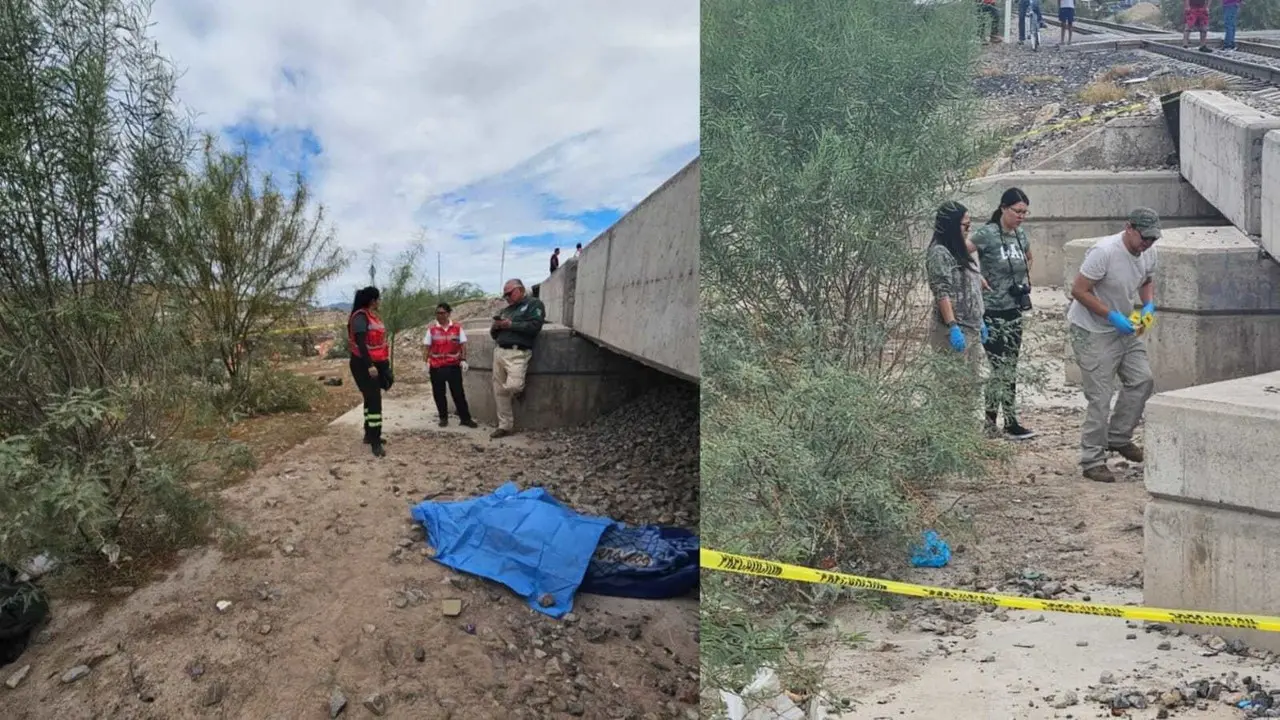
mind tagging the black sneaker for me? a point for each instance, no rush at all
(1205, 49)
(444, 422)
(1017, 432)
(378, 451)
(470, 423)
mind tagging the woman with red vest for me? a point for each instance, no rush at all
(367, 339)
(445, 351)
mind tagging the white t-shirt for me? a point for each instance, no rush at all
(1067, 4)
(1117, 275)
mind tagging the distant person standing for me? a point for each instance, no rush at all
(367, 341)
(514, 331)
(1230, 14)
(1105, 341)
(577, 252)
(555, 260)
(445, 352)
(1196, 15)
(1067, 19)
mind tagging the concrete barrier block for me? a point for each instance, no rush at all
(557, 293)
(637, 285)
(1271, 192)
(570, 381)
(1221, 140)
(1213, 560)
(1216, 443)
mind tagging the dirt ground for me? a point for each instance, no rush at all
(1037, 526)
(335, 602)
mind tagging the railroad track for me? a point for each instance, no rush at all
(1259, 75)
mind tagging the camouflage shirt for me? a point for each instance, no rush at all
(1004, 263)
(947, 279)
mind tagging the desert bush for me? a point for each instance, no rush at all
(91, 148)
(269, 390)
(827, 145)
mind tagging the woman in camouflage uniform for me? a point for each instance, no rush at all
(956, 283)
(1004, 253)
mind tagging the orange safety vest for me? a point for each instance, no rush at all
(446, 345)
(375, 339)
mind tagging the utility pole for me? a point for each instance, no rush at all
(439, 275)
(502, 265)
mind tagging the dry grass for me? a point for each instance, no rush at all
(1119, 72)
(1170, 83)
(990, 71)
(1041, 79)
(1102, 92)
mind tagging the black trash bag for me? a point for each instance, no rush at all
(23, 607)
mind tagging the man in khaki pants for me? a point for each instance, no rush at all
(1106, 343)
(514, 331)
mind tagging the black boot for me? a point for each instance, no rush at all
(444, 421)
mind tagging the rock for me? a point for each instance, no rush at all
(1107, 678)
(1065, 699)
(265, 629)
(369, 629)
(1171, 699)
(75, 673)
(420, 654)
(17, 678)
(376, 704)
(222, 605)
(214, 694)
(1165, 645)
(401, 602)
(337, 703)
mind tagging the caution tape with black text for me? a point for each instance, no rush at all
(715, 560)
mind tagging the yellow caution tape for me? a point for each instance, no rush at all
(715, 560)
(1079, 120)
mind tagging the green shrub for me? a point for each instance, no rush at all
(269, 390)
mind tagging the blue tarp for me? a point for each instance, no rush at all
(643, 562)
(525, 540)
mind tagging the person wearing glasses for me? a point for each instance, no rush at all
(515, 329)
(1004, 253)
(1106, 342)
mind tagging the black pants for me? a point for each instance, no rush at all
(450, 375)
(1002, 346)
(371, 390)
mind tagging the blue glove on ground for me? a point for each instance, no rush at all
(985, 333)
(1120, 322)
(957, 338)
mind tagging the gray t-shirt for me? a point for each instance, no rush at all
(1117, 275)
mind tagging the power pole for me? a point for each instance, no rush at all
(502, 265)
(439, 275)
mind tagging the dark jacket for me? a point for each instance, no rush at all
(526, 319)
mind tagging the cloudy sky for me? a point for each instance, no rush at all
(534, 122)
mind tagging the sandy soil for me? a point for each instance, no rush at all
(1038, 526)
(334, 599)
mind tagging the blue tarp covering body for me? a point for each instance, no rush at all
(525, 540)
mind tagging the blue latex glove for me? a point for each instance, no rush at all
(957, 338)
(985, 333)
(1149, 309)
(1120, 322)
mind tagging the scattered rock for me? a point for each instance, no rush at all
(222, 605)
(1064, 699)
(376, 704)
(214, 694)
(337, 703)
(75, 673)
(16, 678)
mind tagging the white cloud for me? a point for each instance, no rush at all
(593, 103)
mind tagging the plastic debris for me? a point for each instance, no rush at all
(934, 553)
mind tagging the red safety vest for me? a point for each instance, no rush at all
(375, 338)
(446, 345)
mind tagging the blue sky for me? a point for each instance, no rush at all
(465, 126)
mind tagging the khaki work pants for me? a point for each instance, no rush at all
(509, 368)
(1101, 357)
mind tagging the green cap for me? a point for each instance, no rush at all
(1146, 222)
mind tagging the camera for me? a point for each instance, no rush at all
(1022, 293)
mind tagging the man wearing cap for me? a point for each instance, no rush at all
(514, 331)
(1106, 343)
